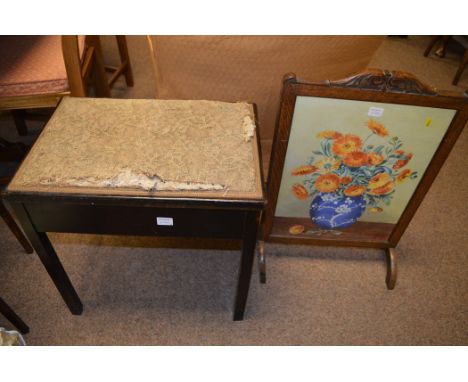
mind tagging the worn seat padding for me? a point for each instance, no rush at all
(145, 146)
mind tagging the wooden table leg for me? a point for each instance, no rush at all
(50, 260)
(246, 263)
(11, 316)
(391, 268)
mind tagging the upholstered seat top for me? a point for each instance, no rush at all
(32, 65)
(145, 147)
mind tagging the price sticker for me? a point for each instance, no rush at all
(375, 112)
(164, 221)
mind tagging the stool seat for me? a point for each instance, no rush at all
(145, 147)
(33, 65)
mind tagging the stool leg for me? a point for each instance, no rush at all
(13, 317)
(247, 257)
(49, 259)
(10, 222)
(125, 59)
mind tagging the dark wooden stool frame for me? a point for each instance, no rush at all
(123, 215)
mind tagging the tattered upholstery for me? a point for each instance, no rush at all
(145, 147)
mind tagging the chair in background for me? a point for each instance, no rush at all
(37, 71)
(10, 222)
(440, 52)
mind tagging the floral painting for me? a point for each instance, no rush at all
(349, 174)
(352, 166)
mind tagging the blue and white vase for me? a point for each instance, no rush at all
(330, 211)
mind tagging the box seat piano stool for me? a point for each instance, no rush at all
(142, 167)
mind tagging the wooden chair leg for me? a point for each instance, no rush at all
(12, 151)
(125, 59)
(461, 68)
(14, 228)
(431, 45)
(19, 117)
(99, 77)
(13, 317)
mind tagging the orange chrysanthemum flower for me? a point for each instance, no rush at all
(377, 128)
(327, 165)
(347, 144)
(329, 134)
(300, 191)
(355, 190)
(381, 184)
(383, 190)
(303, 170)
(402, 162)
(403, 175)
(327, 183)
(346, 180)
(374, 159)
(355, 159)
(379, 180)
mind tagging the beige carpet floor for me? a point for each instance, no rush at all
(147, 291)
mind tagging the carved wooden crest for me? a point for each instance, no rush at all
(384, 80)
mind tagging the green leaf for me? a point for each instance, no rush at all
(323, 145)
(379, 149)
(328, 147)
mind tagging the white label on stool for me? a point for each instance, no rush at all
(375, 111)
(164, 221)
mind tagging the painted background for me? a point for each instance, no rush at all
(409, 123)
